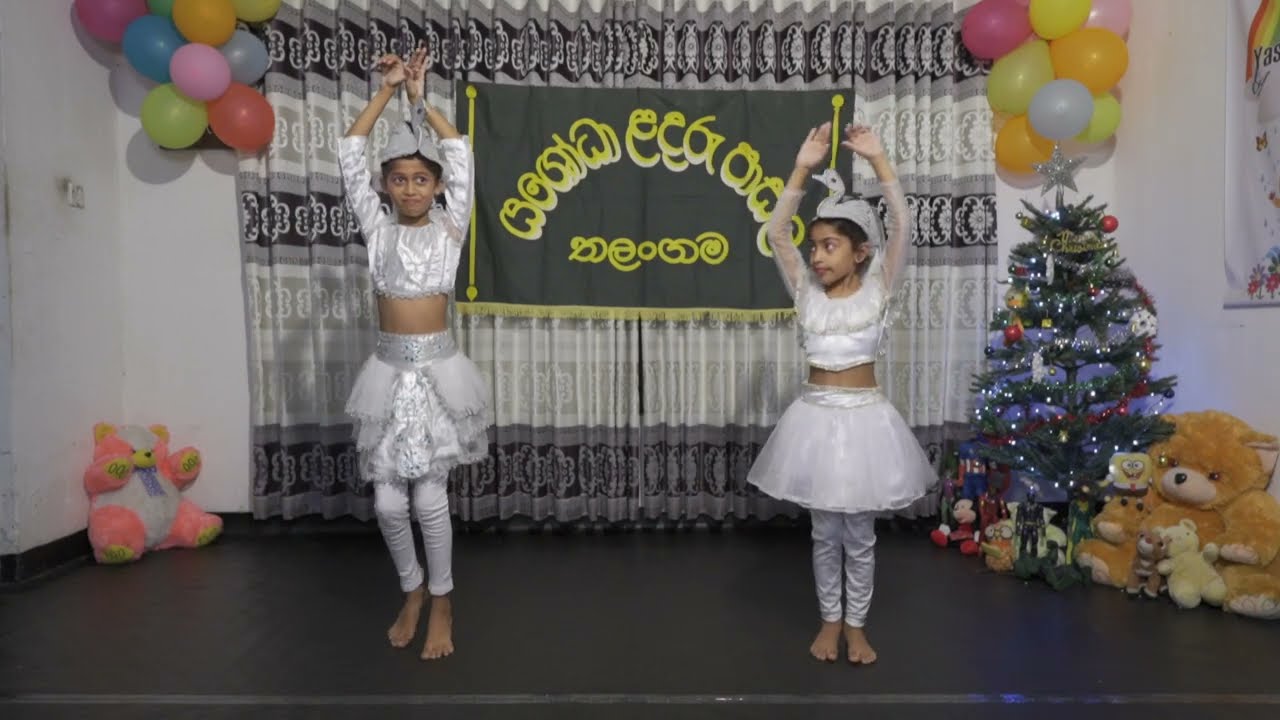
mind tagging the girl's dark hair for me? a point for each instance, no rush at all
(433, 167)
(847, 228)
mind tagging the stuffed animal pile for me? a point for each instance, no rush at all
(1209, 512)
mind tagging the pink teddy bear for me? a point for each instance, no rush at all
(135, 491)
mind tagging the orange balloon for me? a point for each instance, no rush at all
(242, 118)
(1018, 146)
(1096, 57)
(210, 22)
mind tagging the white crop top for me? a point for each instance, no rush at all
(410, 262)
(840, 333)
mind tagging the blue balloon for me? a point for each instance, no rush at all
(149, 44)
(247, 57)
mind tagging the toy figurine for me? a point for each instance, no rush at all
(1079, 519)
(1030, 525)
(992, 508)
(972, 471)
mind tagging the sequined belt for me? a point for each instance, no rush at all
(840, 397)
(414, 350)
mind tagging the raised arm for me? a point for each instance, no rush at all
(352, 160)
(785, 254)
(864, 142)
(897, 233)
(459, 177)
(812, 152)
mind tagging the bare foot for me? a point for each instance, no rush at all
(439, 629)
(406, 625)
(860, 652)
(825, 647)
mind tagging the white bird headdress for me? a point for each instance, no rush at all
(411, 138)
(839, 205)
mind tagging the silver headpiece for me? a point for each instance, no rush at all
(411, 138)
(853, 208)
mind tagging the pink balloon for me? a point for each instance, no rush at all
(994, 27)
(1113, 15)
(106, 20)
(200, 72)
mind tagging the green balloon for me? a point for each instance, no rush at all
(173, 120)
(163, 8)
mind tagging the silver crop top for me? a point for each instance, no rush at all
(840, 333)
(409, 262)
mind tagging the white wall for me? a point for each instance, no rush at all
(127, 311)
(1169, 174)
(8, 494)
(67, 344)
(185, 357)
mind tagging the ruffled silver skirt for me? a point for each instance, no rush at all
(421, 408)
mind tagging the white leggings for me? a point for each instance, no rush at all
(844, 545)
(431, 505)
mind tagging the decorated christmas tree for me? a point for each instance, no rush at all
(1069, 375)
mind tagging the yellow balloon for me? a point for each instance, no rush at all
(1018, 146)
(210, 22)
(255, 11)
(1051, 19)
(1105, 120)
(1016, 77)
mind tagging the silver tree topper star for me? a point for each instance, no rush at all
(1059, 172)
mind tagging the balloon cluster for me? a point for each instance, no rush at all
(1056, 62)
(204, 65)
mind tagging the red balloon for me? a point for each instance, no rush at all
(242, 118)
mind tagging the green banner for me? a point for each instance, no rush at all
(593, 202)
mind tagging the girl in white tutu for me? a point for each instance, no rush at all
(842, 450)
(420, 405)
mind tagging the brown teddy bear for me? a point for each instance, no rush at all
(1109, 554)
(1144, 575)
(1217, 463)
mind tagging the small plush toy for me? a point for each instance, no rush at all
(1190, 573)
(1130, 474)
(965, 517)
(997, 546)
(1143, 574)
(135, 491)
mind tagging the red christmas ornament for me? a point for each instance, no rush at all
(1141, 389)
(1012, 333)
(1110, 223)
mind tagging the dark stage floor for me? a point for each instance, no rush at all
(695, 625)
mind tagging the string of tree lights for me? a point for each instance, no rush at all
(1069, 376)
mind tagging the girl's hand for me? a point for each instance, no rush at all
(392, 69)
(416, 74)
(861, 140)
(813, 152)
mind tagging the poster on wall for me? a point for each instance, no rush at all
(1253, 154)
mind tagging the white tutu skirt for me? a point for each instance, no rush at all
(843, 450)
(421, 409)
